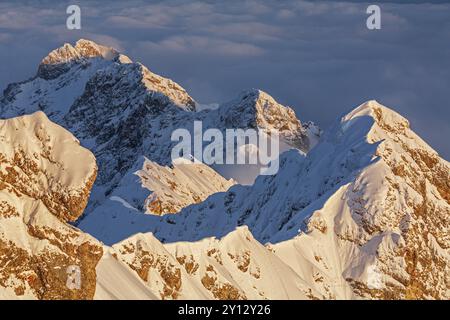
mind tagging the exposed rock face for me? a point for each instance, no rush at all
(45, 180)
(256, 109)
(182, 185)
(393, 216)
(235, 267)
(60, 60)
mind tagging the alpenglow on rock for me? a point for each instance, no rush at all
(45, 180)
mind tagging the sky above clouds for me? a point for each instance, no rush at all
(316, 56)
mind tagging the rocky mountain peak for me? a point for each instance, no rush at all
(160, 85)
(368, 213)
(59, 61)
(89, 49)
(257, 109)
(82, 49)
(383, 116)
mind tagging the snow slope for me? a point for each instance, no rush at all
(60, 80)
(115, 281)
(234, 267)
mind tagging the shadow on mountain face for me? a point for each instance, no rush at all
(275, 208)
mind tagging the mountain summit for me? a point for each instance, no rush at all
(257, 109)
(60, 60)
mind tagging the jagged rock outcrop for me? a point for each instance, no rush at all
(174, 188)
(60, 60)
(45, 180)
(256, 109)
(235, 267)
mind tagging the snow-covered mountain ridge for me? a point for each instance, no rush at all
(234, 267)
(364, 214)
